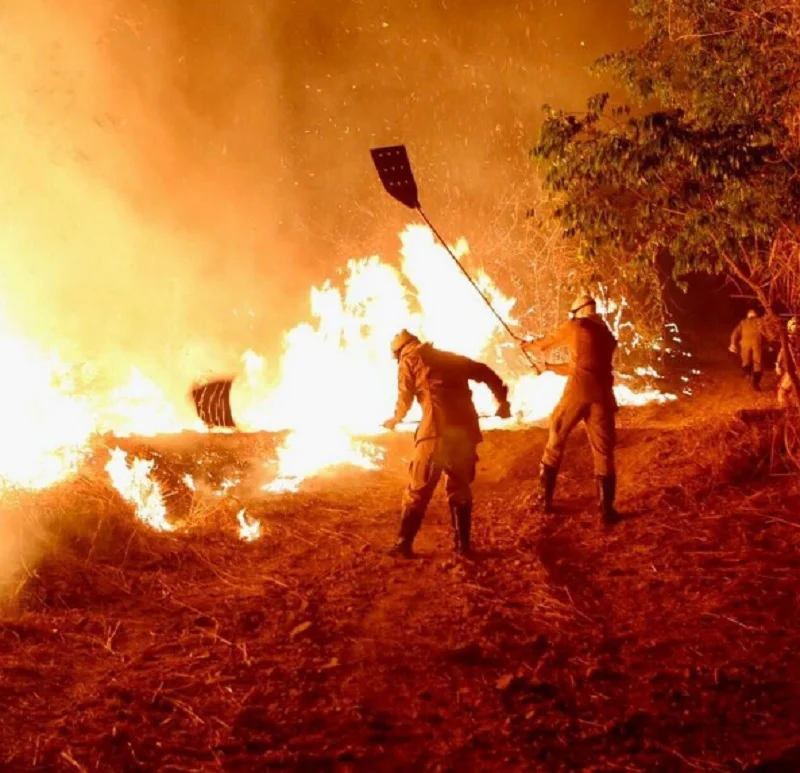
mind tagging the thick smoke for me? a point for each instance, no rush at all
(175, 175)
(135, 226)
(169, 167)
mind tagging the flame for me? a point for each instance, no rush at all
(335, 384)
(249, 530)
(338, 380)
(226, 486)
(134, 483)
(46, 426)
(337, 377)
(306, 453)
(52, 414)
(139, 407)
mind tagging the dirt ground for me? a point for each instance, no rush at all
(666, 643)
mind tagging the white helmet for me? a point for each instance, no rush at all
(582, 301)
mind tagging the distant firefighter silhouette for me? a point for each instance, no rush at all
(747, 340)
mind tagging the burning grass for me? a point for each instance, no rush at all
(666, 643)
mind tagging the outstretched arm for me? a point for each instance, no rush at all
(483, 374)
(561, 368)
(543, 345)
(405, 393)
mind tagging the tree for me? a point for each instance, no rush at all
(700, 170)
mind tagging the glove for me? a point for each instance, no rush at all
(732, 349)
(390, 424)
(504, 410)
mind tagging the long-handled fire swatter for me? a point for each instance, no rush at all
(212, 401)
(394, 170)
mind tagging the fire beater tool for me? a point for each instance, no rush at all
(394, 171)
(212, 401)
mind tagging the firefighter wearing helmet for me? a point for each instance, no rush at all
(747, 340)
(784, 380)
(447, 436)
(588, 397)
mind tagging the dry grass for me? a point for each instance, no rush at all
(664, 644)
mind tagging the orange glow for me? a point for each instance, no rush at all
(336, 383)
(135, 484)
(338, 379)
(249, 530)
(46, 424)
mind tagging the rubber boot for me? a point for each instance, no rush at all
(757, 381)
(606, 492)
(547, 479)
(461, 520)
(402, 548)
(409, 526)
(747, 371)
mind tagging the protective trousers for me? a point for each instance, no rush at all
(598, 419)
(751, 357)
(453, 455)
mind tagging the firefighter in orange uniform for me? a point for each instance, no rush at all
(447, 436)
(588, 397)
(747, 340)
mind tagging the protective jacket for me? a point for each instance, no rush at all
(747, 333)
(747, 339)
(591, 347)
(589, 392)
(440, 383)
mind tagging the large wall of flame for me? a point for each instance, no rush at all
(168, 167)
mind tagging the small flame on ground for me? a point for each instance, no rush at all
(226, 486)
(134, 483)
(307, 453)
(627, 397)
(249, 529)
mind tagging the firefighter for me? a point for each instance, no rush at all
(784, 381)
(747, 340)
(447, 436)
(588, 397)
